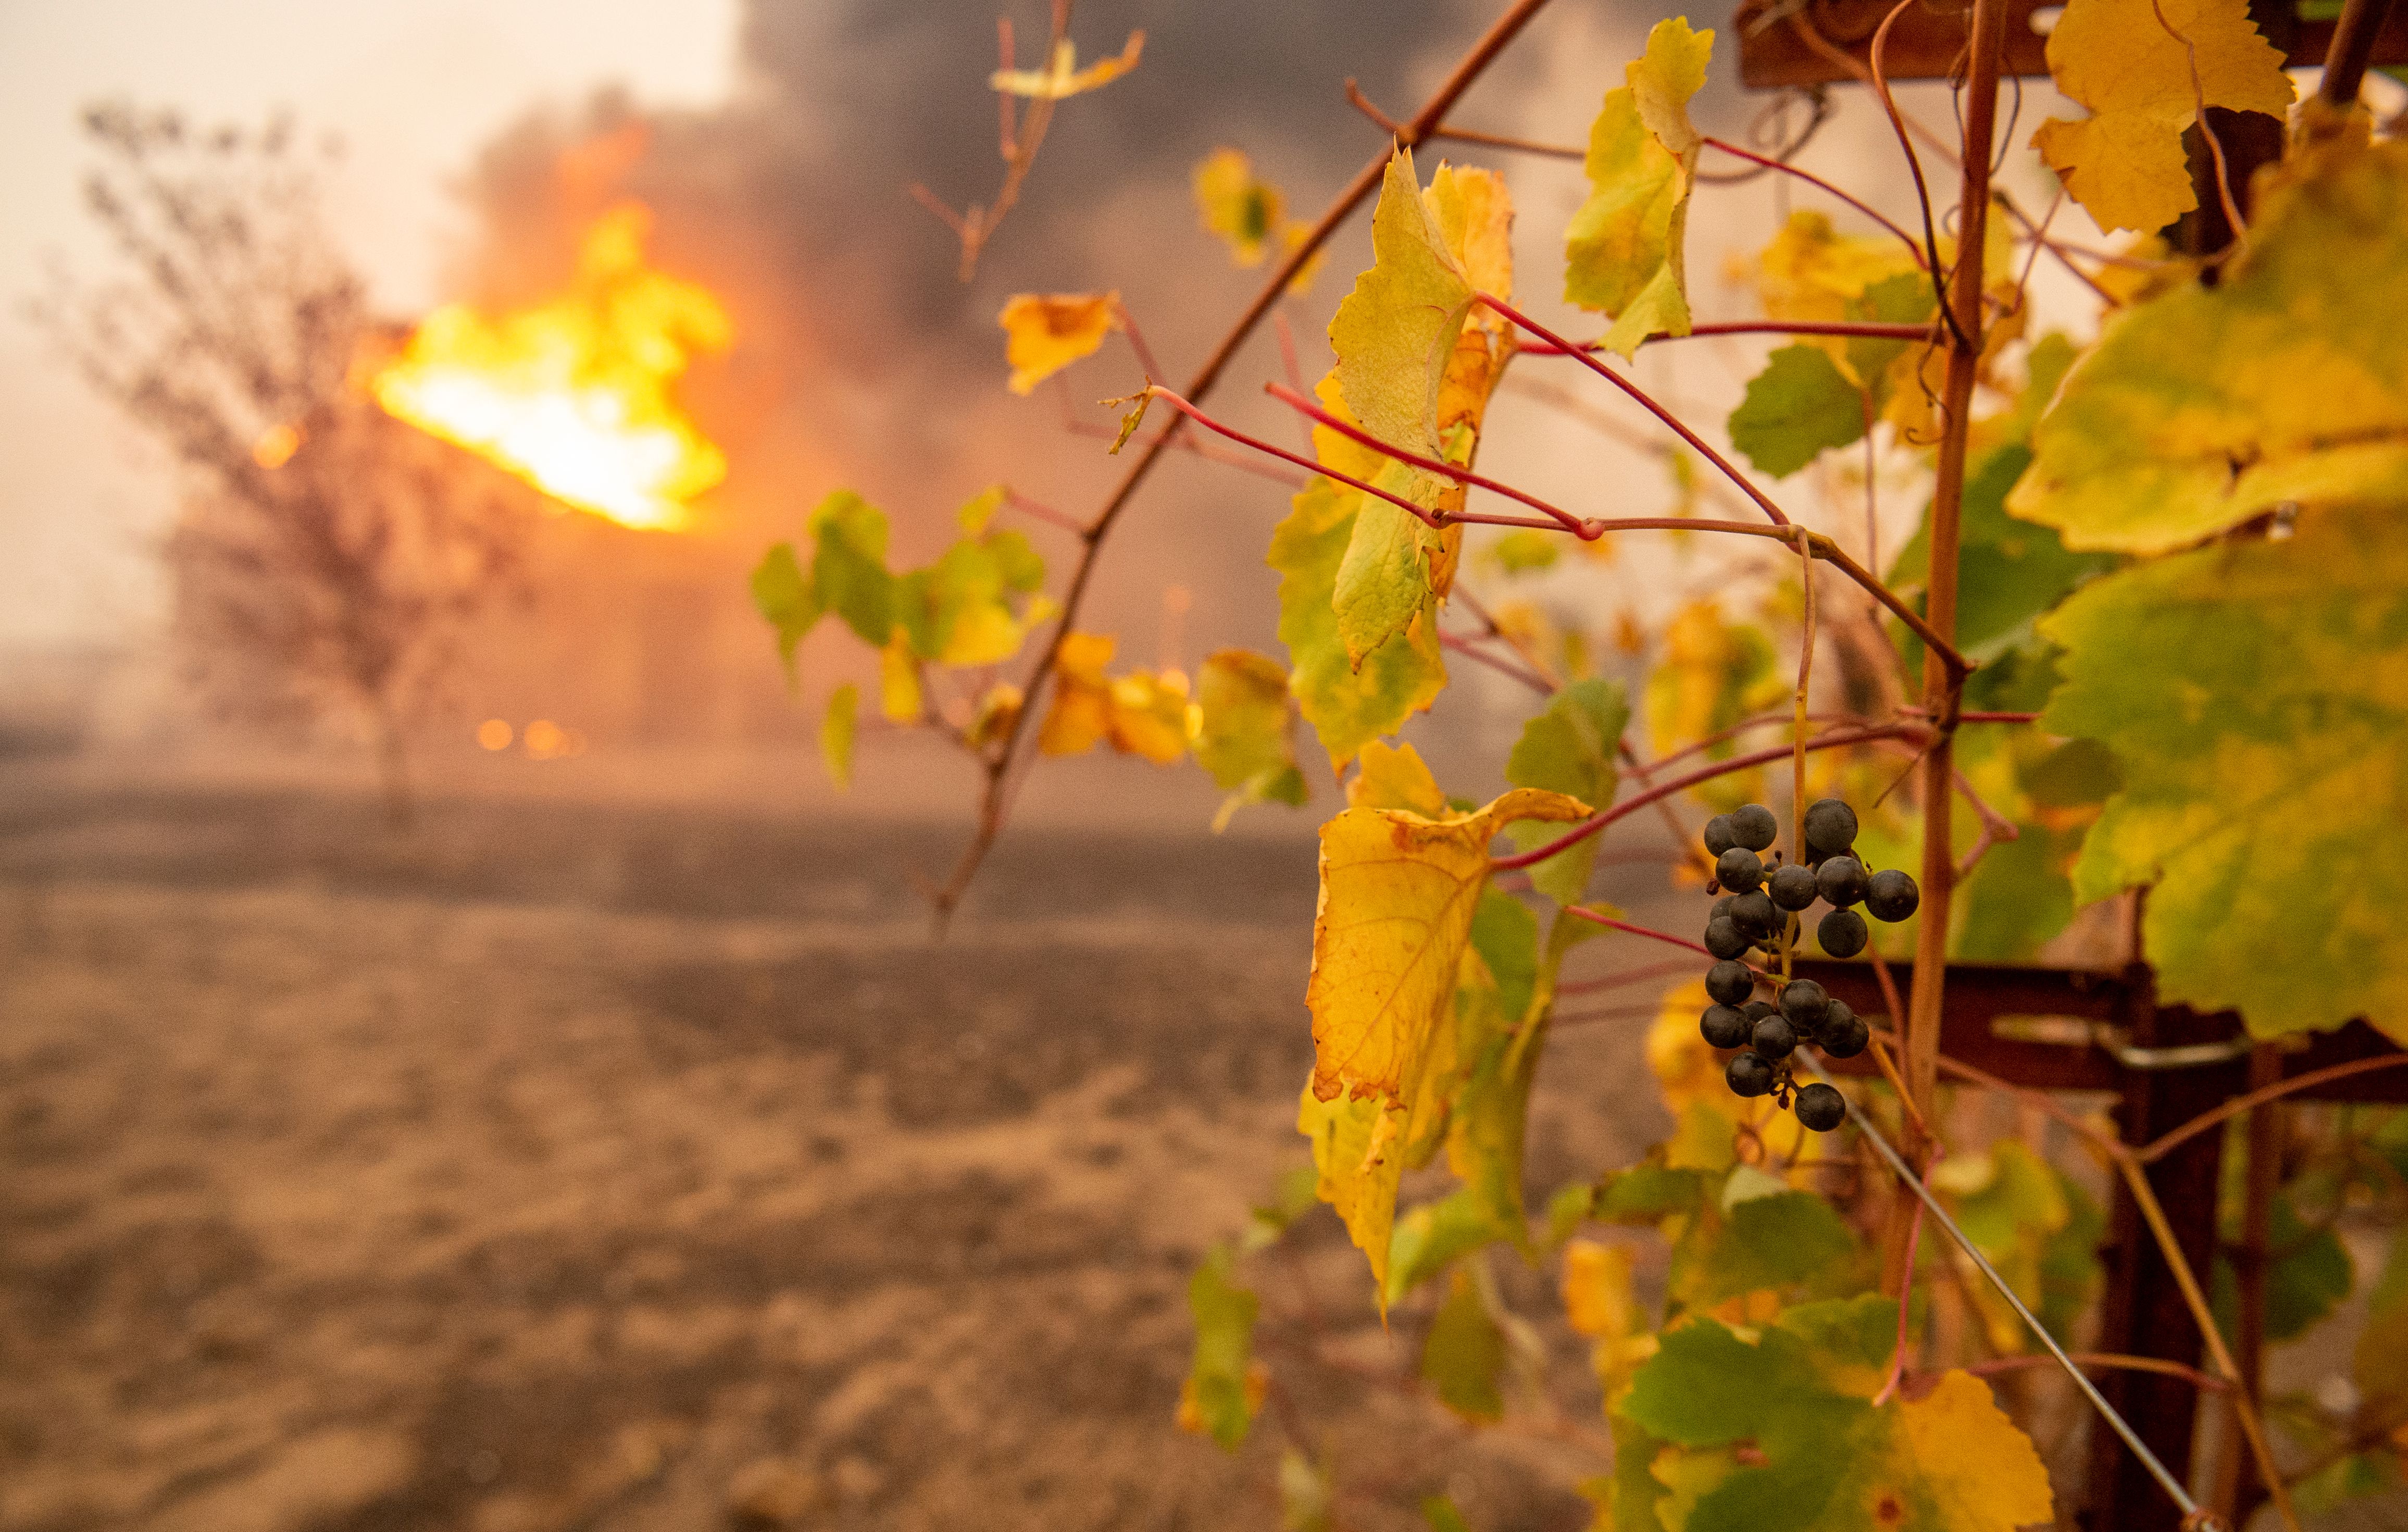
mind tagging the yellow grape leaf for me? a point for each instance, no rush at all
(1045, 331)
(1359, 1159)
(1395, 333)
(2207, 407)
(1081, 712)
(1398, 892)
(1713, 674)
(1395, 777)
(1599, 1304)
(899, 681)
(841, 722)
(980, 509)
(1244, 731)
(1623, 250)
(1301, 283)
(1951, 1462)
(1240, 206)
(1062, 77)
(1151, 715)
(2128, 62)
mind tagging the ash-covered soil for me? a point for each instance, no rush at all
(570, 1166)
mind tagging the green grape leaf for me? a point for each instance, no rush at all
(1428, 1237)
(1358, 1165)
(849, 576)
(2209, 406)
(1443, 1516)
(1245, 739)
(1799, 406)
(1308, 1498)
(1384, 585)
(1347, 705)
(2253, 696)
(2307, 1276)
(786, 599)
(837, 729)
(1569, 748)
(1822, 1459)
(1465, 1355)
(2018, 1210)
(1223, 1391)
(1293, 1195)
(2379, 1363)
(1623, 250)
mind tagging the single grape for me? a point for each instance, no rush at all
(1773, 1037)
(1756, 1010)
(1841, 881)
(1844, 1037)
(1718, 837)
(1891, 895)
(1722, 907)
(1842, 933)
(1754, 915)
(1750, 1074)
(1821, 1107)
(1803, 1002)
(1724, 937)
(1754, 827)
(1730, 982)
(1793, 886)
(1724, 1027)
(1830, 827)
(1738, 869)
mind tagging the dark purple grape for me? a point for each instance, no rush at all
(1830, 827)
(1841, 881)
(1821, 1107)
(1773, 1037)
(1803, 1002)
(1842, 933)
(1725, 938)
(1845, 1033)
(1738, 869)
(1755, 916)
(1754, 826)
(1792, 886)
(1891, 895)
(1723, 1027)
(1718, 837)
(1749, 1074)
(1730, 983)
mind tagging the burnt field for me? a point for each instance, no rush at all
(579, 1167)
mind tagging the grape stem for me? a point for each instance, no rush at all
(1687, 779)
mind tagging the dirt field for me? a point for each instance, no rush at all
(579, 1168)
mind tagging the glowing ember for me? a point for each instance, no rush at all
(573, 395)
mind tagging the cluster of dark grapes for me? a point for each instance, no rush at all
(1760, 910)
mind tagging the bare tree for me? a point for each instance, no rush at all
(325, 555)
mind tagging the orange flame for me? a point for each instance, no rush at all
(573, 395)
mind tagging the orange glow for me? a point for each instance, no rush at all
(494, 734)
(276, 446)
(573, 395)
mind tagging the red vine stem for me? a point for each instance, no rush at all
(1863, 329)
(1665, 789)
(1813, 179)
(1354, 433)
(1695, 443)
(1611, 923)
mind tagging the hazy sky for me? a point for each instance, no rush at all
(411, 88)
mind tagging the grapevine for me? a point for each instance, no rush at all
(1973, 753)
